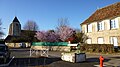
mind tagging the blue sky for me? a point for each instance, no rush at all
(47, 12)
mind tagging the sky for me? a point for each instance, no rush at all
(47, 12)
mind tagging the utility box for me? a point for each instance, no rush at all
(73, 57)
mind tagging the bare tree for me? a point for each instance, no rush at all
(80, 37)
(63, 29)
(1, 33)
(31, 25)
(63, 22)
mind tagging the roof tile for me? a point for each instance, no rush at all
(107, 12)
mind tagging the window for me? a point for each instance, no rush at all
(100, 26)
(89, 41)
(89, 28)
(113, 40)
(16, 24)
(113, 23)
(100, 40)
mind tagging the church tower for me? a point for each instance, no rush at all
(15, 28)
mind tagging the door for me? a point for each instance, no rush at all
(100, 40)
(114, 41)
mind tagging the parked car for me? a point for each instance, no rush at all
(23, 45)
(4, 53)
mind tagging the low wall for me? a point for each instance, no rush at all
(17, 45)
(52, 48)
(13, 44)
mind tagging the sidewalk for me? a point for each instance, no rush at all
(110, 59)
(113, 62)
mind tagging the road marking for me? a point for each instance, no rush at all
(99, 65)
(7, 64)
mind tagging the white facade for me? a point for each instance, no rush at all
(100, 32)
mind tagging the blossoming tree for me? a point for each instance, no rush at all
(48, 36)
(65, 32)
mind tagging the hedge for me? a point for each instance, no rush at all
(99, 48)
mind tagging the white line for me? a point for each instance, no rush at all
(7, 64)
(11, 60)
(99, 65)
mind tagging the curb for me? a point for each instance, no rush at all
(7, 64)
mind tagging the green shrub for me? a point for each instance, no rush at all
(99, 48)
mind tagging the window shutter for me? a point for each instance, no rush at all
(108, 24)
(90, 27)
(111, 40)
(85, 28)
(103, 25)
(116, 22)
(114, 41)
(96, 25)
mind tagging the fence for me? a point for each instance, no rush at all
(50, 44)
(39, 52)
(43, 47)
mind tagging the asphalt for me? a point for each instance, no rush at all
(110, 60)
(23, 59)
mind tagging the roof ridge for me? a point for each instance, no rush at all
(110, 5)
(104, 13)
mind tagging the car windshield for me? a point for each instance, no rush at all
(2, 48)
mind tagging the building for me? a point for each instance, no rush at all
(15, 28)
(103, 26)
(18, 37)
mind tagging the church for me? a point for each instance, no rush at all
(17, 37)
(15, 28)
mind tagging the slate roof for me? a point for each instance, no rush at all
(26, 32)
(22, 38)
(12, 39)
(15, 19)
(107, 12)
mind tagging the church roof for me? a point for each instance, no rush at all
(15, 39)
(24, 37)
(107, 12)
(15, 19)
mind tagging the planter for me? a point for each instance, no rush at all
(74, 57)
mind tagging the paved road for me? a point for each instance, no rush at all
(22, 59)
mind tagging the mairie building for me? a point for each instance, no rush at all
(103, 26)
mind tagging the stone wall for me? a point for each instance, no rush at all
(17, 45)
(53, 48)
